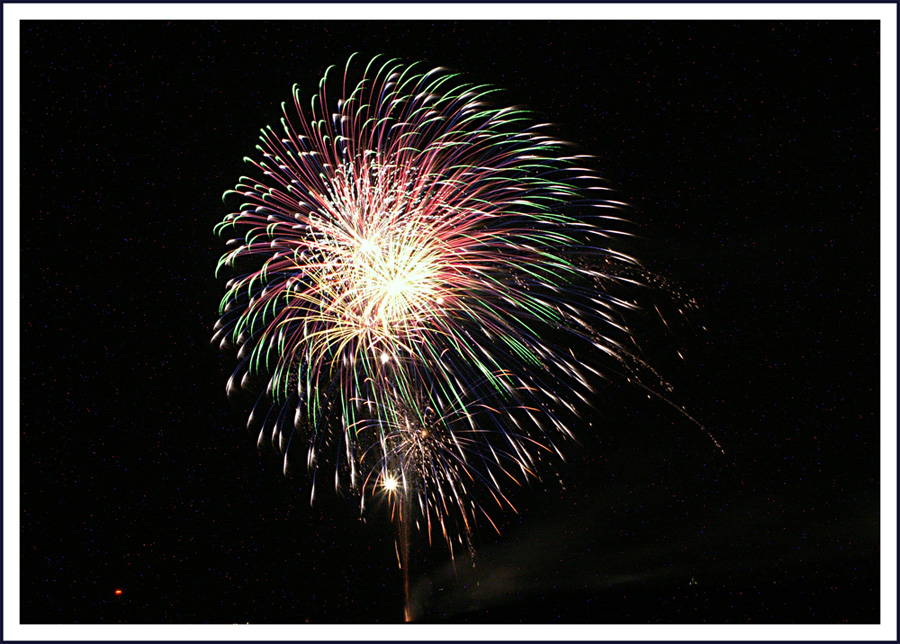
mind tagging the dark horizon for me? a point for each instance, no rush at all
(749, 152)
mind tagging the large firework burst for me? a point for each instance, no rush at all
(415, 269)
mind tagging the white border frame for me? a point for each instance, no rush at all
(885, 631)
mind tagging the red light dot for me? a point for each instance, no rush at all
(118, 591)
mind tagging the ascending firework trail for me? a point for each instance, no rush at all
(426, 285)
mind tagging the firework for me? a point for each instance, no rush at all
(414, 269)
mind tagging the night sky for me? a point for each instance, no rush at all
(749, 153)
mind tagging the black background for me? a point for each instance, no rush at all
(750, 154)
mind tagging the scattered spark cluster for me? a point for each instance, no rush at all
(423, 282)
